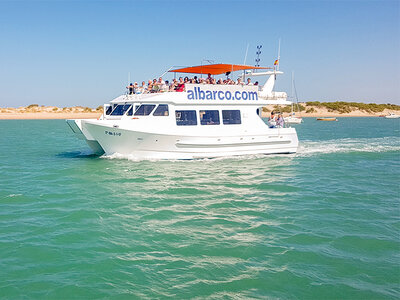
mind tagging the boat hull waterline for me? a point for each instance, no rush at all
(145, 145)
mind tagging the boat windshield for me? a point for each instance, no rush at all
(120, 109)
(145, 109)
(161, 110)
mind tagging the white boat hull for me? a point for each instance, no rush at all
(146, 145)
(392, 116)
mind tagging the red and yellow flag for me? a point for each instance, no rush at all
(276, 62)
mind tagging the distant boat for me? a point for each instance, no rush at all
(327, 119)
(392, 116)
(293, 119)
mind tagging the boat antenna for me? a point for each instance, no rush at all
(279, 54)
(129, 81)
(258, 52)
(245, 56)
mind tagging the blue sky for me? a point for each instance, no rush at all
(69, 53)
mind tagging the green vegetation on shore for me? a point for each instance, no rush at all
(338, 106)
(347, 107)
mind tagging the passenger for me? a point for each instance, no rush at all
(186, 80)
(156, 86)
(195, 79)
(280, 122)
(173, 85)
(141, 89)
(239, 81)
(219, 81)
(149, 86)
(165, 86)
(209, 77)
(180, 86)
(130, 89)
(249, 81)
(272, 120)
(135, 88)
(213, 81)
(256, 83)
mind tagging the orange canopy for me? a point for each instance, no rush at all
(215, 69)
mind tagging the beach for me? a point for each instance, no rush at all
(53, 112)
(35, 111)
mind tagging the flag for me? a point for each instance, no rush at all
(276, 62)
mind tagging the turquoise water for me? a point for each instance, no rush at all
(323, 224)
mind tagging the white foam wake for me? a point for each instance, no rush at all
(384, 144)
(306, 148)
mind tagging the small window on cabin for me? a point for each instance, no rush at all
(209, 117)
(161, 110)
(120, 109)
(109, 110)
(145, 109)
(185, 117)
(231, 117)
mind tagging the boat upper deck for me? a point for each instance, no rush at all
(209, 94)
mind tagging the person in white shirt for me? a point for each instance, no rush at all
(249, 81)
(272, 120)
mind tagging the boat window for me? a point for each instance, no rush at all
(130, 111)
(109, 110)
(209, 117)
(120, 109)
(161, 110)
(145, 109)
(231, 117)
(185, 117)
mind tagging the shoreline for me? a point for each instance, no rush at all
(34, 112)
(64, 116)
(48, 116)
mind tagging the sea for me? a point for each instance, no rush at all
(321, 224)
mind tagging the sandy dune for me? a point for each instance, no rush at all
(52, 112)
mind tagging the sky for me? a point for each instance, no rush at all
(68, 53)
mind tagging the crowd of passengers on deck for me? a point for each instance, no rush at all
(160, 86)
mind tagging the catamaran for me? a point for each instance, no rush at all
(203, 121)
